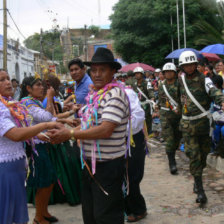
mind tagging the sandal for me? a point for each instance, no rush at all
(135, 218)
(37, 222)
(51, 219)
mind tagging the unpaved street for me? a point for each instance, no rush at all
(170, 199)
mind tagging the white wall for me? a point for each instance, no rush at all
(19, 63)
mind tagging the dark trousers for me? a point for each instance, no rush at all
(97, 207)
(134, 202)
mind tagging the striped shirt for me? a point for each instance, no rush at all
(114, 108)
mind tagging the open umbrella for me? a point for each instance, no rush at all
(175, 54)
(211, 56)
(214, 48)
(132, 66)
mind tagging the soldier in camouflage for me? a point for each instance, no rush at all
(144, 94)
(197, 92)
(131, 79)
(170, 113)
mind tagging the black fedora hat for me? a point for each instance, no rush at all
(103, 56)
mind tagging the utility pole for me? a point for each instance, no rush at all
(85, 34)
(184, 23)
(99, 13)
(5, 35)
(178, 25)
(171, 23)
(41, 51)
(53, 54)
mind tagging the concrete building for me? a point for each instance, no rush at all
(92, 46)
(20, 60)
(83, 43)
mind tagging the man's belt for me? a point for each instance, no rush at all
(196, 117)
(165, 108)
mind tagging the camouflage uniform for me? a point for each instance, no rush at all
(130, 81)
(196, 132)
(149, 93)
(169, 119)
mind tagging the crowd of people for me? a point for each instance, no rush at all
(88, 145)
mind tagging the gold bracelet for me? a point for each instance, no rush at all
(72, 135)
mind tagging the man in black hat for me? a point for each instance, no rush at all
(107, 113)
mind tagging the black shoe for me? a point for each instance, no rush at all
(201, 196)
(172, 163)
(173, 169)
(135, 218)
(51, 219)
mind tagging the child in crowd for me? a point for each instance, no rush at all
(156, 125)
(218, 117)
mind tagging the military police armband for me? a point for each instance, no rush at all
(208, 84)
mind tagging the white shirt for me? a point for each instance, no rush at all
(137, 113)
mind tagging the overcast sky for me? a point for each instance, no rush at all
(31, 15)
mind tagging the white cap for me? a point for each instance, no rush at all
(139, 69)
(158, 70)
(169, 67)
(187, 57)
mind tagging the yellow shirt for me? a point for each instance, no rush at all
(221, 73)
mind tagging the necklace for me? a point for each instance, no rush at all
(20, 114)
(18, 111)
(31, 101)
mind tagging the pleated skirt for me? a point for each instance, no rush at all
(68, 169)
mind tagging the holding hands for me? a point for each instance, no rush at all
(59, 135)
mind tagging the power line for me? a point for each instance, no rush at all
(16, 24)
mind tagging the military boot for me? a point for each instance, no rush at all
(201, 198)
(195, 189)
(172, 163)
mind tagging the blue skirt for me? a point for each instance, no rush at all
(13, 202)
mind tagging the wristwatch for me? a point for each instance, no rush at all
(72, 135)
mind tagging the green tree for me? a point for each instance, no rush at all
(52, 48)
(51, 44)
(95, 30)
(212, 28)
(142, 31)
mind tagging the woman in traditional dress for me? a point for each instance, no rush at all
(14, 120)
(63, 156)
(42, 174)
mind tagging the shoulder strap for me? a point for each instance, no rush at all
(142, 93)
(191, 96)
(168, 95)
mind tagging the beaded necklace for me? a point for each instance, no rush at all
(90, 118)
